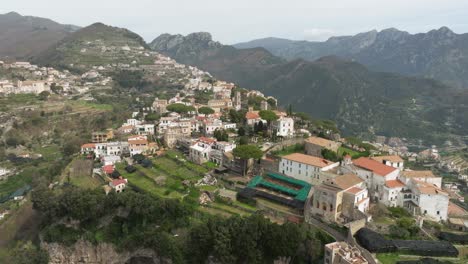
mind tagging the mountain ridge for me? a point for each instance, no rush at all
(360, 100)
(22, 37)
(439, 53)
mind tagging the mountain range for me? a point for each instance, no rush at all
(360, 100)
(440, 54)
(25, 36)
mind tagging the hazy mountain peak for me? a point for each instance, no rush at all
(12, 14)
(26, 36)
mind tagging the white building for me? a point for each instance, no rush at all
(200, 151)
(374, 173)
(425, 199)
(218, 149)
(118, 184)
(423, 176)
(145, 129)
(284, 127)
(116, 148)
(305, 167)
(133, 122)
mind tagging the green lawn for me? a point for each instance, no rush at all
(147, 183)
(289, 150)
(228, 209)
(351, 152)
(50, 153)
(86, 182)
(103, 107)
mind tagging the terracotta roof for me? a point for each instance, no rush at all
(108, 169)
(419, 174)
(119, 181)
(374, 166)
(307, 159)
(207, 140)
(319, 141)
(252, 115)
(392, 158)
(346, 181)
(427, 188)
(455, 210)
(354, 190)
(138, 142)
(88, 145)
(394, 184)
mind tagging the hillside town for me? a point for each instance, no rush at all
(240, 152)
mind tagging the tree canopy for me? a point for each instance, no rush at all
(205, 110)
(180, 108)
(247, 152)
(268, 115)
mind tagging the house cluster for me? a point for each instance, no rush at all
(206, 149)
(109, 151)
(283, 126)
(35, 80)
(343, 189)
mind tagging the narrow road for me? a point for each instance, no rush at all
(331, 231)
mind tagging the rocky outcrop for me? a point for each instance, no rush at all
(84, 252)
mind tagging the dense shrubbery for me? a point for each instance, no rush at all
(172, 228)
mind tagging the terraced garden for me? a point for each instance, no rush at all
(165, 179)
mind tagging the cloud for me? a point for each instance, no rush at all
(318, 34)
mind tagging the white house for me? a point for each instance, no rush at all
(118, 184)
(145, 129)
(374, 173)
(284, 127)
(200, 151)
(422, 176)
(425, 199)
(218, 149)
(305, 167)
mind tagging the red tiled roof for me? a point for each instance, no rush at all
(354, 190)
(108, 169)
(374, 166)
(119, 181)
(394, 184)
(252, 115)
(88, 145)
(138, 142)
(207, 140)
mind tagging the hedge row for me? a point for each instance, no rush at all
(454, 238)
(376, 243)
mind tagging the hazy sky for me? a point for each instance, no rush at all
(241, 20)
